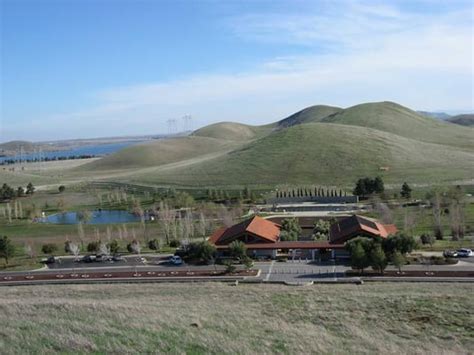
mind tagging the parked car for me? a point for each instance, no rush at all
(88, 258)
(450, 253)
(176, 260)
(464, 253)
(51, 260)
(118, 258)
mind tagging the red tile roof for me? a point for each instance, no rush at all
(347, 228)
(257, 226)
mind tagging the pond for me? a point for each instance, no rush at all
(97, 217)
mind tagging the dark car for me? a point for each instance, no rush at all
(450, 253)
(88, 258)
(118, 258)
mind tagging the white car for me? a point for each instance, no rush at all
(464, 253)
(176, 260)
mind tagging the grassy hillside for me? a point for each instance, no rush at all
(163, 151)
(322, 153)
(463, 120)
(398, 318)
(393, 118)
(309, 115)
(318, 145)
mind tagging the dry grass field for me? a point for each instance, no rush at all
(247, 319)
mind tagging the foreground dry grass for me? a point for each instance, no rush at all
(157, 318)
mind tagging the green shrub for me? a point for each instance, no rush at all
(49, 248)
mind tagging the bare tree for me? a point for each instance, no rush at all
(29, 250)
(166, 216)
(104, 249)
(136, 247)
(436, 200)
(202, 225)
(80, 233)
(74, 249)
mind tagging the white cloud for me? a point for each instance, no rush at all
(371, 53)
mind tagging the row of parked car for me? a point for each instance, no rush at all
(460, 253)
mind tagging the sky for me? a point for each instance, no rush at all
(99, 68)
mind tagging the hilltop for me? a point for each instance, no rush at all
(308, 115)
(463, 120)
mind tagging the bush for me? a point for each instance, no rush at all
(93, 247)
(61, 188)
(229, 267)
(427, 239)
(114, 246)
(237, 249)
(49, 248)
(202, 251)
(154, 244)
(174, 243)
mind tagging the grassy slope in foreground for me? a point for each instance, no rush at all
(156, 318)
(323, 153)
(394, 118)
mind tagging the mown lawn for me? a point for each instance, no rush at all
(217, 318)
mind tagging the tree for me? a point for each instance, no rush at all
(61, 189)
(406, 191)
(49, 248)
(202, 251)
(378, 260)
(400, 242)
(378, 185)
(321, 229)
(7, 249)
(290, 229)
(20, 192)
(74, 249)
(359, 259)
(84, 216)
(134, 247)
(237, 249)
(30, 189)
(436, 199)
(398, 260)
(6, 192)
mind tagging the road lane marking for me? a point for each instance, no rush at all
(269, 271)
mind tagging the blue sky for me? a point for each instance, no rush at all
(94, 68)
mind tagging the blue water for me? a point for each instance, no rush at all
(98, 217)
(96, 150)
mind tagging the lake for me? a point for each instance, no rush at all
(97, 217)
(96, 150)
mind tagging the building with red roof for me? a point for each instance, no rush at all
(262, 237)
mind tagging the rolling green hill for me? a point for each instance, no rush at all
(393, 118)
(322, 153)
(463, 120)
(318, 145)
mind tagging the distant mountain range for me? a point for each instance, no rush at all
(318, 145)
(438, 115)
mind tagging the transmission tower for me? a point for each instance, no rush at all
(172, 126)
(187, 123)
